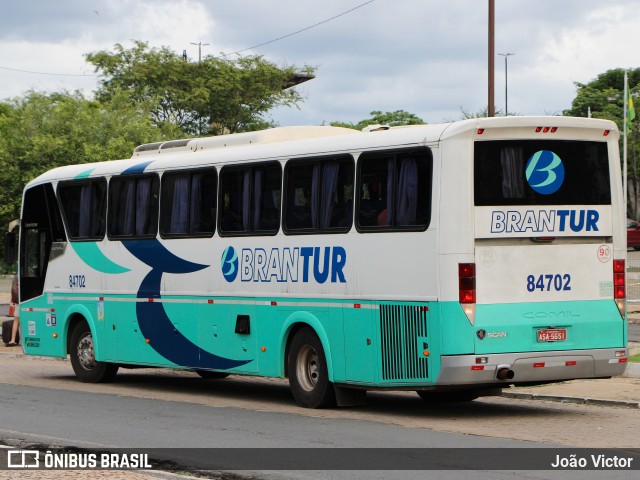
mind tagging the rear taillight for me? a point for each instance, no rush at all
(467, 289)
(620, 285)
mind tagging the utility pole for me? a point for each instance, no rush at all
(506, 81)
(199, 44)
(491, 109)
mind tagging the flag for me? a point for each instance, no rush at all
(631, 112)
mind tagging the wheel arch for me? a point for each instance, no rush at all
(295, 322)
(75, 315)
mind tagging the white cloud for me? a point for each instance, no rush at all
(424, 56)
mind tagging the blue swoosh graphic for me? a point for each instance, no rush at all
(153, 320)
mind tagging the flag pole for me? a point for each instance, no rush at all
(624, 142)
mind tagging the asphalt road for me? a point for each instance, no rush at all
(46, 416)
(42, 403)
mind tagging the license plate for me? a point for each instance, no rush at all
(556, 335)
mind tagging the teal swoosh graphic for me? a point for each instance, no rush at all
(90, 254)
(85, 174)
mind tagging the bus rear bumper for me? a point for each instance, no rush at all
(531, 367)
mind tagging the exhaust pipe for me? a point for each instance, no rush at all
(505, 373)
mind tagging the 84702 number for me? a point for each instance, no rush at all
(548, 282)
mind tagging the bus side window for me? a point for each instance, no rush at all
(188, 203)
(250, 199)
(319, 195)
(133, 206)
(394, 190)
(84, 206)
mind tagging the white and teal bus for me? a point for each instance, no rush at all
(453, 260)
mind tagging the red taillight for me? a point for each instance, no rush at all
(467, 282)
(480, 131)
(606, 133)
(619, 282)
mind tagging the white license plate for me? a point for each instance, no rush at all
(555, 335)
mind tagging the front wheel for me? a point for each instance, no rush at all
(83, 360)
(308, 374)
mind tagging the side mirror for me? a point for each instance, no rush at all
(10, 248)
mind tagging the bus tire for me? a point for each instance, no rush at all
(83, 360)
(308, 373)
(455, 396)
(209, 375)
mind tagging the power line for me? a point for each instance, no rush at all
(48, 73)
(225, 55)
(301, 30)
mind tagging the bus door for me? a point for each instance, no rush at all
(41, 229)
(544, 246)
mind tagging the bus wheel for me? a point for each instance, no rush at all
(209, 375)
(447, 397)
(308, 374)
(83, 359)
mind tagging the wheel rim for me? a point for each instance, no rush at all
(85, 352)
(307, 368)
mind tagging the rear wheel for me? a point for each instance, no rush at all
(83, 360)
(308, 374)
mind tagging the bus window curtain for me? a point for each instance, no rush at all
(329, 186)
(195, 203)
(512, 163)
(257, 199)
(143, 205)
(86, 212)
(246, 201)
(179, 205)
(315, 194)
(391, 169)
(407, 192)
(129, 208)
(324, 183)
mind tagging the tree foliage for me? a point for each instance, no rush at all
(393, 119)
(213, 96)
(41, 131)
(604, 98)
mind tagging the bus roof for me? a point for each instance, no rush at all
(284, 142)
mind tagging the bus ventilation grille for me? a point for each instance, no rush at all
(401, 328)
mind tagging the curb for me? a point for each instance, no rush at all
(574, 400)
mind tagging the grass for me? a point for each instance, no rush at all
(635, 358)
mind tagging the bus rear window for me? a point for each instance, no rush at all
(534, 172)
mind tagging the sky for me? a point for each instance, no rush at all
(427, 57)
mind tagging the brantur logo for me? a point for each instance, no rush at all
(229, 263)
(545, 172)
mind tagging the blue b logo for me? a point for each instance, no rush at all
(545, 172)
(229, 263)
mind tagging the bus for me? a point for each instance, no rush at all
(453, 260)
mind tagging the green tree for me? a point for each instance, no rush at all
(604, 98)
(213, 96)
(393, 119)
(41, 131)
